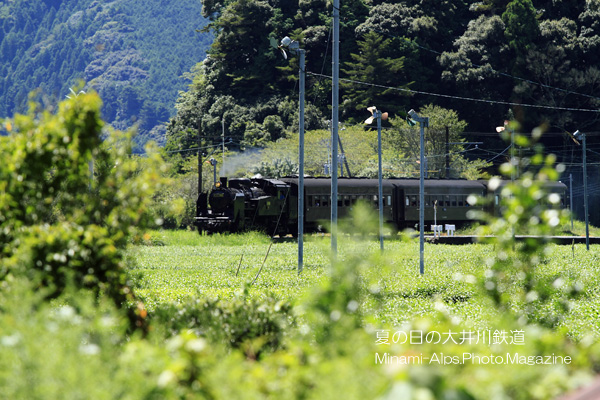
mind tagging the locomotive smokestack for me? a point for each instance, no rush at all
(223, 180)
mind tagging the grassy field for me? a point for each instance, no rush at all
(565, 230)
(177, 265)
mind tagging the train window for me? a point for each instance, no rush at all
(325, 201)
(339, 199)
(427, 201)
(346, 200)
(389, 200)
(453, 201)
(413, 201)
(354, 198)
(407, 201)
(461, 201)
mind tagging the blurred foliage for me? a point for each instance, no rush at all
(249, 346)
(255, 326)
(61, 226)
(526, 203)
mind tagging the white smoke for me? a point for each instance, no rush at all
(241, 164)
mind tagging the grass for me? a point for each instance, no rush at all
(578, 230)
(188, 265)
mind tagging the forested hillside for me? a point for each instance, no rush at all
(536, 62)
(133, 52)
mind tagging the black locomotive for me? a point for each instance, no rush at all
(272, 204)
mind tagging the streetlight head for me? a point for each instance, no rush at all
(577, 133)
(413, 114)
(286, 41)
(384, 116)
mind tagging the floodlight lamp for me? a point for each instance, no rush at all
(577, 133)
(413, 114)
(286, 41)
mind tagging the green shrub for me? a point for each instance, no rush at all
(239, 322)
(59, 225)
(512, 279)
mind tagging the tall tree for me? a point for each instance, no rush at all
(474, 70)
(521, 26)
(373, 65)
(404, 139)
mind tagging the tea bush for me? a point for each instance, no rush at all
(60, 225)
(511, 279)
(65, 275)
(239, 322)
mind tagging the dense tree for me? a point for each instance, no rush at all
(521, 28)
(473, 70)
(404, 138)
(589, 36)
(372, 65)
(555, 64)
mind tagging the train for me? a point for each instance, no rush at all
(271, 205)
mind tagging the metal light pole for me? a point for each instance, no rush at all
(223, 140)
(380, 193)
(302, 73)
(295, 48)
(213, 162)
(512, 155)
(585, 192)
(423, 122)
(571, 199)
(377, 114)
(334, 125)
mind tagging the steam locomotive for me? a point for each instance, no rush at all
(271, 205)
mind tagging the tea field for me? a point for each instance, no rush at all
(174, 266)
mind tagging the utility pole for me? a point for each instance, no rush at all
(578, 134)
(334, 126)
(213, 162)
(585, 198)
(571, 198)
(377, 114)
(447, 152)
(344, 157)
(223, 140)
(199, 161)
(423, 122)
(294, 47)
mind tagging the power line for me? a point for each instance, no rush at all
(494, 70)
(508, 103)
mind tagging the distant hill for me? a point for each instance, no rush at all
(133, 52)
